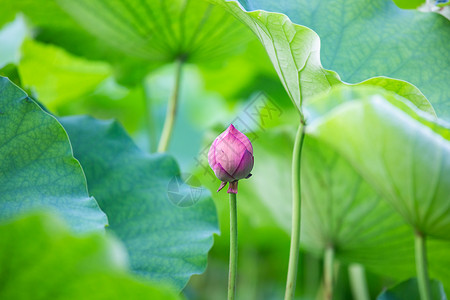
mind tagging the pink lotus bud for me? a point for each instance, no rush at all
(231, 158)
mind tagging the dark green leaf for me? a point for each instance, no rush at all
(408, 290)
(166, 241)
(37, 168)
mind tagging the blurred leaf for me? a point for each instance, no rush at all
(140, 194)
(111, 101)
(442, 3)
(51, 24)
(11, 38)
(56, 76)
(41, 259)
(192, 30)
(267, 193)
(400, 151)
(10, 71)
(409, 4)
(360, 39)
(341, 210)
(37, 168)
(408, 290)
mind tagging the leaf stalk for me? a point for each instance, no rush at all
(171, 109)
(296, 214)
(422, 266)
(358, 282)
(328, 272)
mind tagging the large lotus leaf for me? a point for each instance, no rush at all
(341, 210)
(161, 30)
(52, 25)
(295, 53)
(403, 89)
(363, 39)
(397, 149)
(145, 202)
(348, 94)
(57, 76)
(41, 259)
(37, 168)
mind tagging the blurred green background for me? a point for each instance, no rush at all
(227, 78)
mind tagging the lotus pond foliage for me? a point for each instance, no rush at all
(121, 120)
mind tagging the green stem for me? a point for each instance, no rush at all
(358, 282)
(171, 110)
(296, 214)
(421, 266)
(233, 248)
(328, 272)
(151, 130)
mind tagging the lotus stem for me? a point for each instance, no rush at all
(422, 267)
(358, 282)
(233, 248)
(296, 214)
(171, 109)
(328, 272)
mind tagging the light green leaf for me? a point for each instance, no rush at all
(37, 168)
(57, 76)
(409, 4)
(397, 149)
(408, 290)
(161, 30)
(341, 210)
(403, 89)
(52, 25)
(363, 39)
(295, 53)
(166, 242)
(41, 259)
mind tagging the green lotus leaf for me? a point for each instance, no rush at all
(37, 167)
(359, 40)
(161, 31)
(41, 258)
(399, 150)
(166, 225)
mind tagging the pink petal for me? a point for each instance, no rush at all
(242, 137)
(245, 166)
(212, 154)
(228, 152)
(222, 174)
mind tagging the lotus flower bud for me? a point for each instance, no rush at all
(231, 158)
